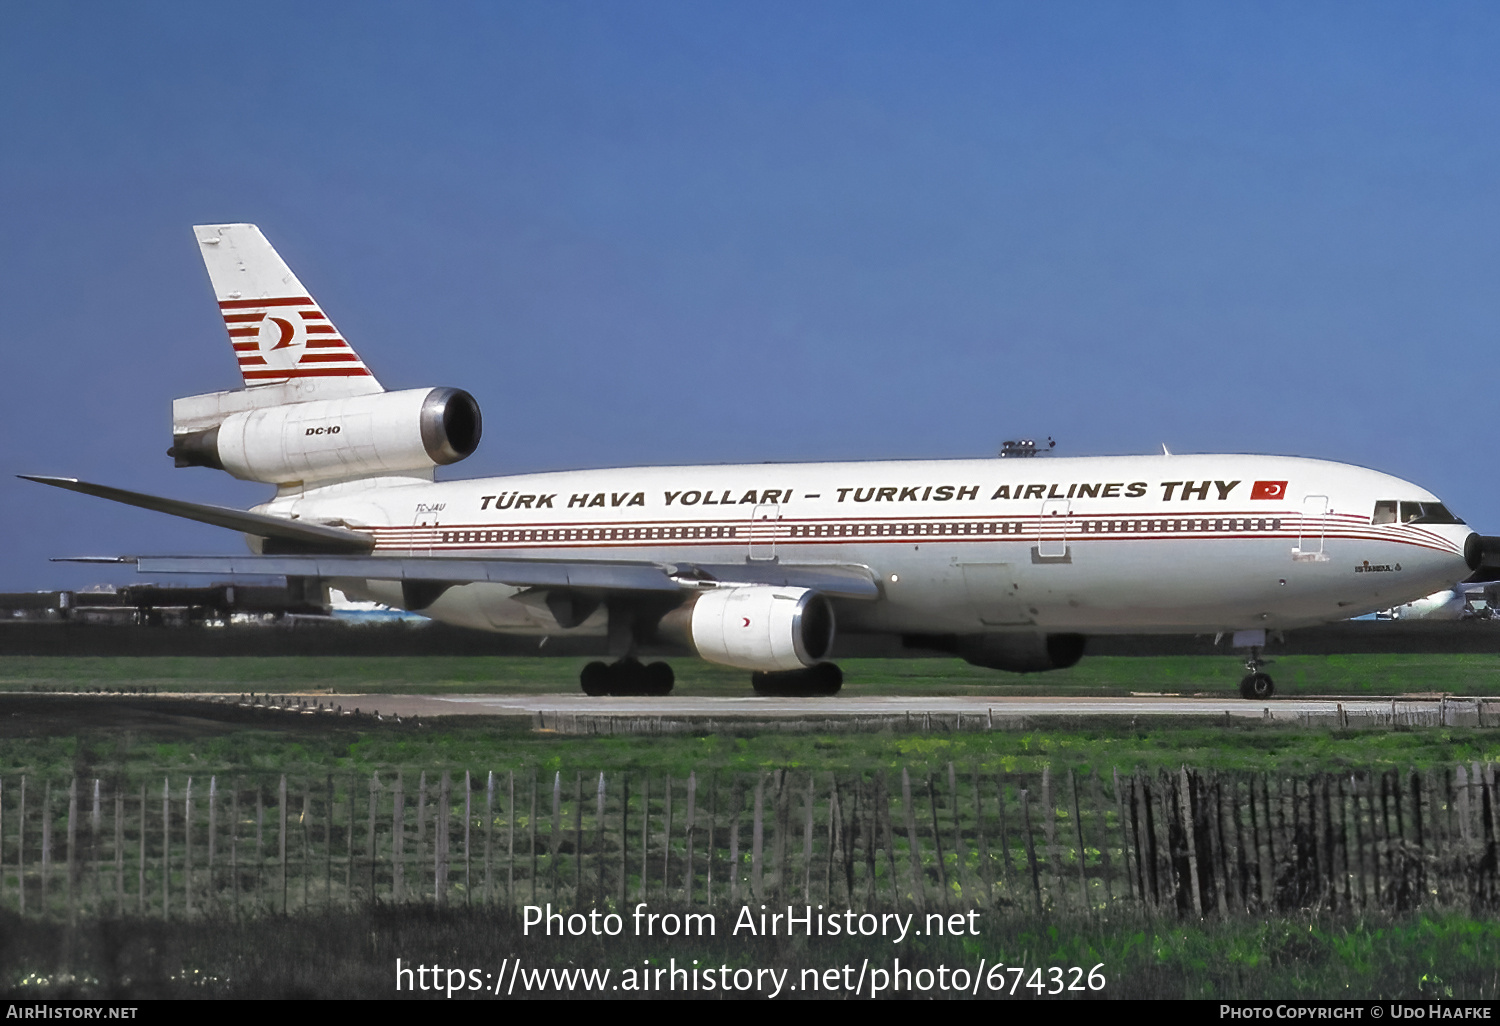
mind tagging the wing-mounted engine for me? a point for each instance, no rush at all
(326, 439)
(755, 627)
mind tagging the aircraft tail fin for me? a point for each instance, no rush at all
(279, 333)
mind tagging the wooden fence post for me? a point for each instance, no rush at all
(166, 847)
(914, 849)
(328, 808)
(398, 841)
(713, 837)
(95, 819)
(371, 853)
(782, 804)
(42, 896)
(666, 838)
(1007, 866)
(281, 838)
(1218, 842)
(757, 838)
(531, 830)
(578, 837)
(1083, 879)
(807, 837)
(937, 842)
(736, 807)
(21, 849)
(599, 829)
(187, 848)
(624, 838)
(489, 834)
(1167, 851)
(510, 840)
(687, 835)
(1049, 830)
(234, 846)
(1036, 878)
(986, 871)
(887, 832)
(960, 850)
(1101, 831)
(213, 824)
(645, 832)
(468, 832)
(421, 853)
(441, 835)
(260, 825)
(1190, 837)
(72, 849)
(835, 830)
(119, 852)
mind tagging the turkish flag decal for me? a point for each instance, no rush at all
(1268, 490)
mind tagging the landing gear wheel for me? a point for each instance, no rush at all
(659, 679)
(824, 679)
(1257, 686)
(595, 679)
(627, 677)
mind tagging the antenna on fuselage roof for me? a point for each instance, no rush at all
(1024, 447)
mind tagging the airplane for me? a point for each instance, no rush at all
(1006, 563)
(1445, 604)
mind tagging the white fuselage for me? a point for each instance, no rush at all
(1158, 544)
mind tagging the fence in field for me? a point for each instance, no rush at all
(1189, 842)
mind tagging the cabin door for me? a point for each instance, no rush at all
(1310, 530)
(1052, 539)
(765, 525)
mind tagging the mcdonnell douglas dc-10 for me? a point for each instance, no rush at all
(1006, 563)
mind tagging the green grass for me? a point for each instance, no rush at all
(1351, 675)
(353, 954)
(481, 745)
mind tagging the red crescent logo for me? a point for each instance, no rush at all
(287, 331)
(746, 619)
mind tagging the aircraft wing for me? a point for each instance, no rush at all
(325, 551)
(319, 537)
(836, 580)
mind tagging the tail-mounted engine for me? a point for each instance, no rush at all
(335, 439)
(755, 627)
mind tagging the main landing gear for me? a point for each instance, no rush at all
(815, 681)
(627, 677)
(1257, 683)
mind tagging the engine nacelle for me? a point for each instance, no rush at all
(334, 439)
(1028, 652)
(755, 627)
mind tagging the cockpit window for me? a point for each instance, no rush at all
(1427, 513)
(1385, 512)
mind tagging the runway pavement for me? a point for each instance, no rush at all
(849, 705)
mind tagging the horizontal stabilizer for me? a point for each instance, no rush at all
(837, 581)
(316, 537)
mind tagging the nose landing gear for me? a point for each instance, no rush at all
(627, 677)
(1257, 683)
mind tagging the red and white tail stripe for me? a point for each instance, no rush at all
(277, 330)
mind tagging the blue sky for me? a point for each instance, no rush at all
(718, 232)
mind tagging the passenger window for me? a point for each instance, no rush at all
(1385, 512)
